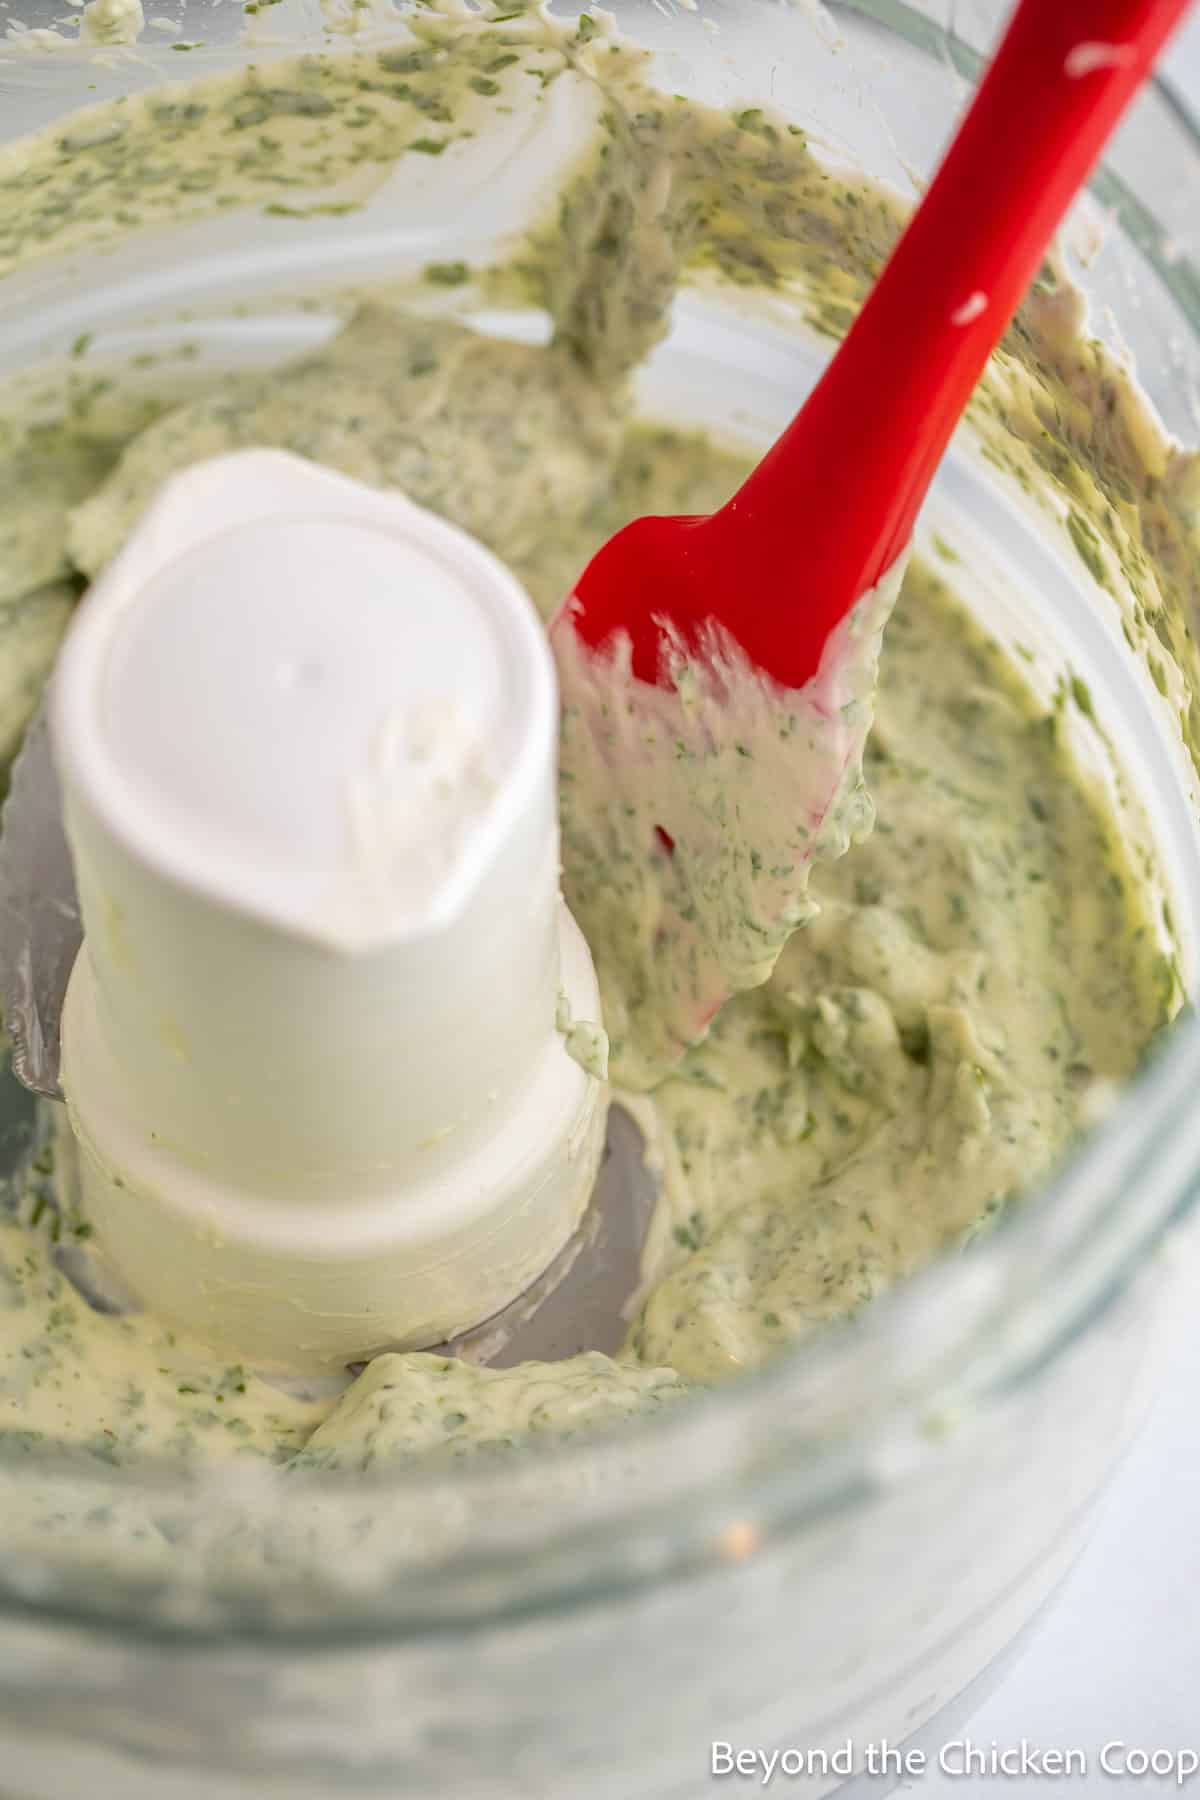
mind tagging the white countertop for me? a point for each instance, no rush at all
(1117, 1655)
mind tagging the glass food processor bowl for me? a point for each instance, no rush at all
(838, 1546)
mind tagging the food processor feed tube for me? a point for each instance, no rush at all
(306, 736)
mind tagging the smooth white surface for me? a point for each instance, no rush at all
(308, 701)
(265, 664)
(1182, 64)
(1118, 1654)
(306, 733)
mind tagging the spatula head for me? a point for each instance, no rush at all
(693, 808)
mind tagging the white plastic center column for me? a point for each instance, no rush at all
(306, 733)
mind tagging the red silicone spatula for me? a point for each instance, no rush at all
(831, 506)
(681, 904)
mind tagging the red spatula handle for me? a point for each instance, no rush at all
(830, 508)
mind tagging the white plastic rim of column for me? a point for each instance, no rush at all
(210, 699)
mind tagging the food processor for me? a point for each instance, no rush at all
(844, 1543)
